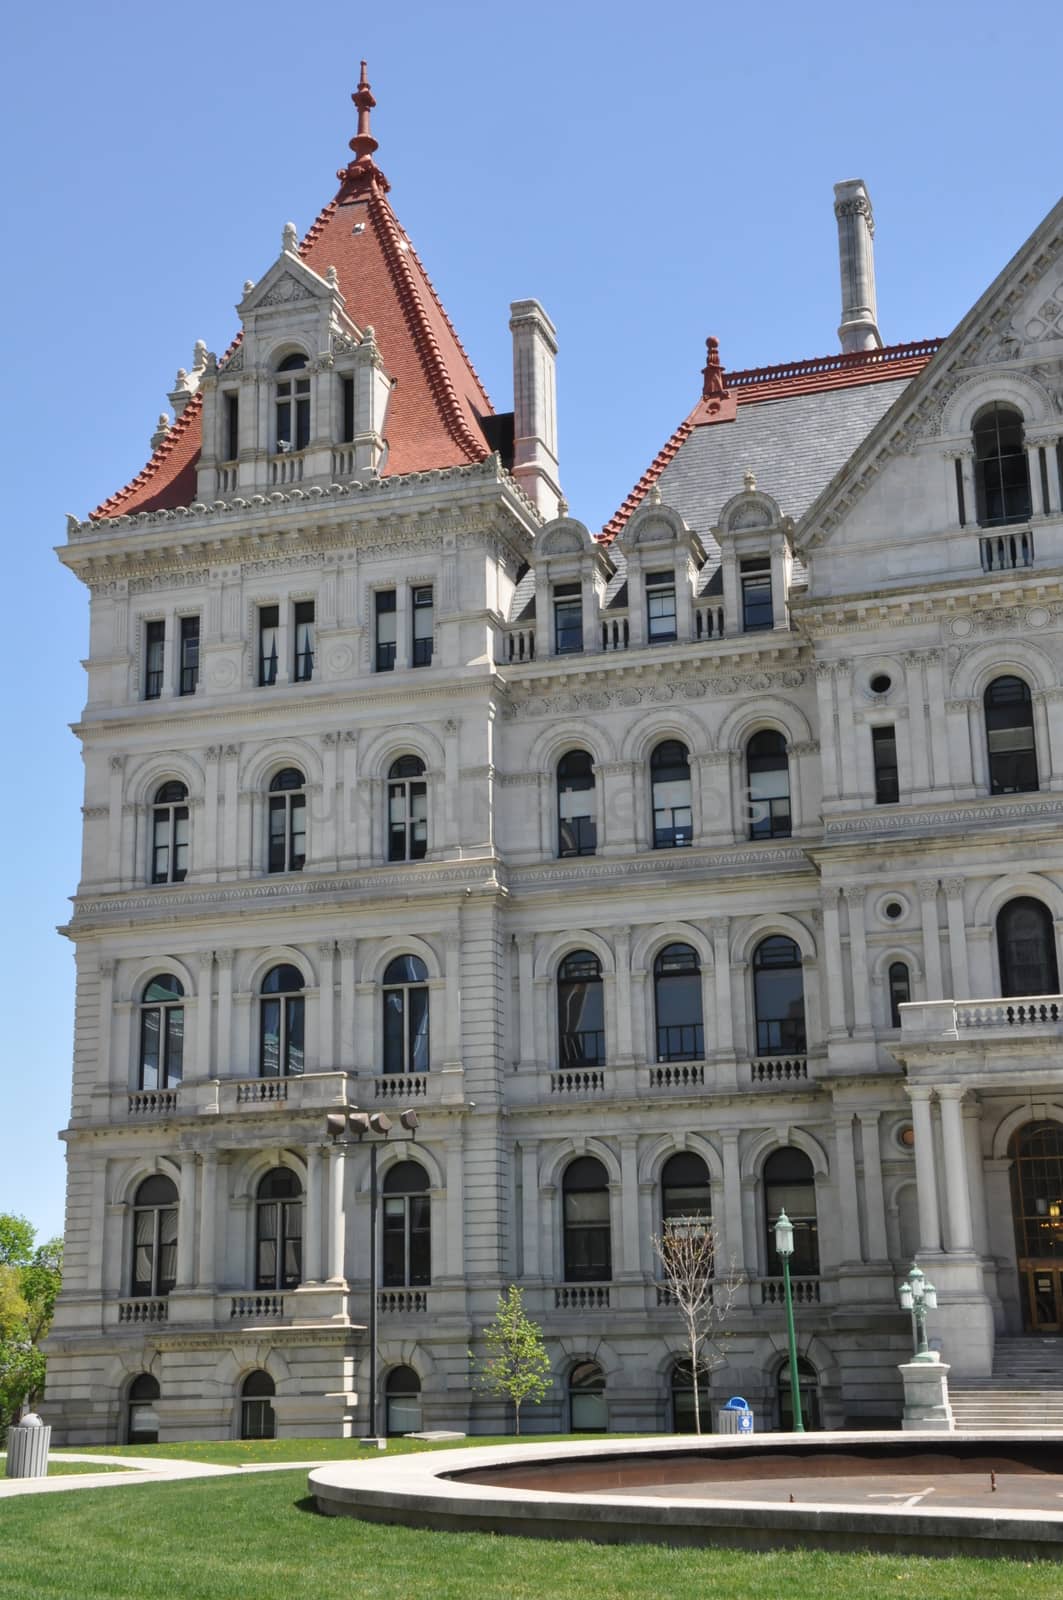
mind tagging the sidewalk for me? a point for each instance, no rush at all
(142, 1469)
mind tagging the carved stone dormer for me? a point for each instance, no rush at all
(756, 562)
(298, 344)
(657, 545)
(569, 565)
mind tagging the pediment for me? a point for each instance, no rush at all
(1014, 332)
(288, 282)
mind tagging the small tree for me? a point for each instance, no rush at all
(687, 1251)
(29, 1284)
(517, 1365)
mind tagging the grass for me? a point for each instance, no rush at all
(234, 1538)
(57, 1468)
(255, 1452)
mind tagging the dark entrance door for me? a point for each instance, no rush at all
(1037, 1206)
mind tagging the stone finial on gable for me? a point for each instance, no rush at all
(332, 277)
(290, 239)
(200, 356)
(749, 479)
(162, 430)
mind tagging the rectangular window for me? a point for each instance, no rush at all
(293, 414)
(154, 651)
(884, 756)
(189, 654)
(347, 397)
(232, 426)
(268, 636)
(304, 641)
(423, 625)
(660, 606)
(386, 630)
(568, 618)
(757, 609)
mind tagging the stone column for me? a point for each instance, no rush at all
(828, 742)
(630, 1242)
(346, 1053)
(622, 994)
(337, 1221)
(326, 1005)
(186, 1222)
(928, 905)
(733, 1237)
(874, 1199)
(833, 950)
(456, 1209)
(525, 943)
(208, 1220)
(925, 1171)
(961, 983)
(913, 673)
(855, 896)
(845, 1188)
(224, 1046)
(845, 729)
(972, 1129)
(721, 971)
(204, 1001)
(312, 1214)
(529, 1166)
(106, 970)
(950, 1098)
(205, 844)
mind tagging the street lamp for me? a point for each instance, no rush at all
(784, 1249)
(361, 1123)
(918, 1295)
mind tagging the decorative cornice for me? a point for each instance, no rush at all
(945, 817)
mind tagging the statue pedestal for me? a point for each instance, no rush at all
(926, 1396)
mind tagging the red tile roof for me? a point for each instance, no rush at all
(756, 384)
(433, 417)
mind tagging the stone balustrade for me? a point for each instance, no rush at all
(953, 1019)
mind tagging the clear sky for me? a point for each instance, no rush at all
(652, 175)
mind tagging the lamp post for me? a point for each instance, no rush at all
(784, 1249)
(361, 1123)
(918, 1295)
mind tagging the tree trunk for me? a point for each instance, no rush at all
(516, 1412)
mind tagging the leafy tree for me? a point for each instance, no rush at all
(517, 1365)
(29, 1284)
(687, 1250)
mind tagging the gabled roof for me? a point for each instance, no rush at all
(434, 414)
(793, 426)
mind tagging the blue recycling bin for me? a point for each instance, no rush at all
(735, 1417)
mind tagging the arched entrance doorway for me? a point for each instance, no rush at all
(1036, 1152)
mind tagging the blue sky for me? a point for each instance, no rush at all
(651, 176)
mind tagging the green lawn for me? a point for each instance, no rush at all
(258, 1538)
(241, 1452)
(58, 1468)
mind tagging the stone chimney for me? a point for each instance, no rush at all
(856, 255)
(535, 405)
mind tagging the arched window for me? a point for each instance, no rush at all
(686, 1194)
(406, 1015)
(808, 1379)
(684, 1419)
(169, 834)
(790, 1186)
(779, 997)
(407, 810)
(577, 828)
(287, 821)
(587, 1410)
(1009, 737)
(162, 1032)
(407, 1227)
(257, 1419)
(1026, 944)
(1001, 467)
(402, 1393)
(154, 1268)
(677, 1001)
(142, 1420)
(580, 1011)
(292, 404)
(1036, 1152)
(670, 785)
(900, 989)
(282, 1024)
(768, 776)
(279, 1232)
(585, 1198)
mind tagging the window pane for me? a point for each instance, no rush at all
(150, 1027)
(418, 1004)
(175, 1044)
(394, 1011)
(298, 832)
(180, 829)
(269, 1060)
(294, 1064)
(167, 1274)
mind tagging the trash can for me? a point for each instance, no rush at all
(735, 1417)
(27, 1448)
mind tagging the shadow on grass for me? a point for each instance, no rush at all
(309, 1504)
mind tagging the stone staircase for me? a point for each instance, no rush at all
(1025, 1392)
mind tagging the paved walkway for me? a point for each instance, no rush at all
(138, 1469)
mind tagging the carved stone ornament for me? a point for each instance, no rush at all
(285, 291)
(235, 363)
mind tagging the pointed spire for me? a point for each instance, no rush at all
(362, 172)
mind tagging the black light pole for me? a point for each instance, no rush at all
(360, 1123)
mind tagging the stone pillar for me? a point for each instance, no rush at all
(855, 896)
(224, 1045)
(721, 972)
(733, 1238)
(950, 1098)
(961, 982)
(204, 1000)
(845, 1188)
(208, 1220)
(630, 1241)
(833, 950)
(326, 1005)
(186, 1222)
(972, 1128)
(456, 1210)
(856, 255)
(312, 1209)
(525, 943)
(535, 405)
(106, 970)
(346, 1053)
(913, 674)
(622, 994)
(828, 742)
(925, 1171)
(337, 1221)
(874, 1199)
(928, 906)
(529, 1222)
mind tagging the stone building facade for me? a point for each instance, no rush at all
(710, 863)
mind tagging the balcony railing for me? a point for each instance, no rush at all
(708, 622)
(1004, 552)
(805, 1291)
(518, 645)
(574, 1081)
(945, 1019)
(255, 1307)
(402, 1302)
(581, 1297)
(142, 1311)
(401, 1086)
(153, 1102)
(678, 1075)
(286, 468)
(784, 1069)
